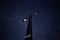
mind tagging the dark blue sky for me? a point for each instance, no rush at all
(44, 25)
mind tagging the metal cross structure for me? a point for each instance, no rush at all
(29, 28)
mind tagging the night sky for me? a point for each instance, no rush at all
(45, 26)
